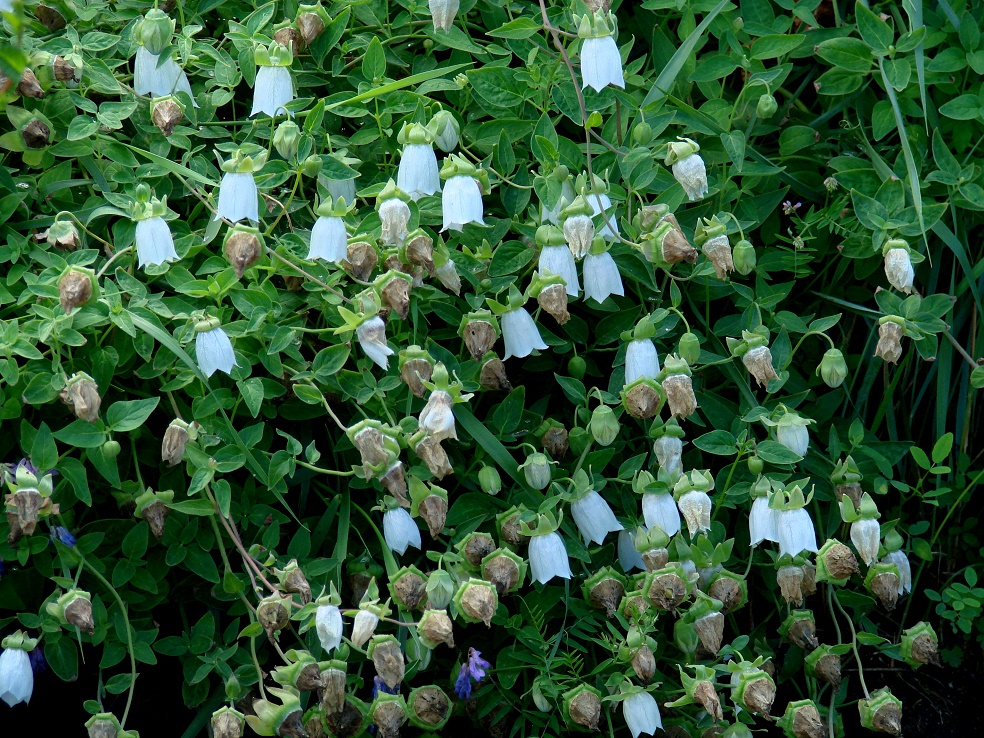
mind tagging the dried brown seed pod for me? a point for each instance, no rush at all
(728, 591)
(79, 613)
(479, 336)
(433, 454)
(553, 299)
(607, 595)
(790, 580)
(512, 532)
(479, 602)
(841, 562)
(309, 678)
(387, 657)
(332, 691)
(396, 296)
(655, 558)
(388, 717)
(156, 516)
(395, 482)
(435, 627)
(707, 696)
(430, 705)
(503, 573)
(644, 664)
(310, 26)
(889, 345)
(291, 38)
(667, 591)
(642, 401)
(479, 546)
(679, 389)
(345, 723)
(585, 709)
(828, 669)
(243, 249)
(167, 114)
(555, 442)
(29, 85)
(493, 376)
(74, 289)
(292, 726)
(360, 260)
(885, 586)
(414, 373)
(759, 695)
(410, 590)
(296, 583)
(710, 631)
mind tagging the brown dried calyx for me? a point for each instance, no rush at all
(396, 296)
(803, 633)
(710, 631)
(667, 591)
(388, 660)
(493, 376)
(885, 586)
(924, 650)
(607, 595)
(272, 615)
(167, 114)
(420, 252)
(332, 691)
(345, 723)
(388, 717)
(888, 719)
(74, 289)
(553, 299)
(175, 442)
(410, 590)
(841, 562)
(225, 724)
(23, 518)
(555, 442)
(79, 613)
(512, 532)
(296, 583)
(477, 548)
(430, 705)
(728, 591)
(585, 709)
(828, 669)
(62, 69)
(434, 511)
(655, 558)
(436, 628)
(309, 678)
(36, 134)
(291, 38)
(790, 580)
(82, 395)
(644, 663)
(433, 454)
(414, 373)
(395, 482)
(807, 723)
(479, 337)
(675, 246)
(243, 249)
(503, 573)
(310, 26)
(707, 696)
(360, 260)
(642, 401)
(29, 85)
(156, 516)
(293, 726)
(679, 389)
(889, 345)
(759, 695)
(479, 602)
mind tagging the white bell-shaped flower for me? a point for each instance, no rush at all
(418, 174)
(641, 714)
(394, 214)
(898, 268)
(274, 88)
(328, 623)
(16, 677)
(372, 338)
(519, 333)
(601, 202)
(364, 626)
(238, 198)
(866, 537)
(601, 277)
(691, 173)
(601, 64)
(213, 349)
(763, 522)
(157, 78)
(400, 530)
(154, 242)
(559, 260)
(548, 558)
(796, 532)
(696, 509)
(641, 360)
(462, 202)
(794, 437)
(443, 13)
(901, 562)
(661, 510)
(329, 240)
(552, 214)
(6, 6)
(594, 517)
(341, 189)
(628, 556)
(437, 419)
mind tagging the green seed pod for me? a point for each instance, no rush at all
(767, 106)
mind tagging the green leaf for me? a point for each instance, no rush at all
(252, 394)
(963, 107)
(850, 54)
(771, 46)
(875, 32)
(62, 656)
(519, 28)
(198, 507)
(509, 258)
(374, 61)
(44, 452)
(718, 442)
(774, 452)
(128, 415)
(74, 472)
(920, 457)
(941, 449)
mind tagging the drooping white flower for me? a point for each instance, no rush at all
(559, 260)
(343, 189)
(6, 6)
(154, 242)
(794, 437)
(688, 167)
(641, 360)
(641, 714)
(601, 277)
(628, 556)
(400, 530)
(660, 509)
(238, 198)
(601, 202)
(437, 419)
(213, 349)
(696, 509)
(157, 78)
(898, 265)
(594, 517)
(901, 562)
(763, 522)
(548, 558)
(372, 338)
(796, 532)
(579, 228)
(16, 676)
(669, 452)
(462, 203)
(418, 174)
(328, 623)
(364, 626)
(443, 13)
(273, 87)
(552, 214)
(329, 240)
(519, 333)
(601, 64)
(866, 537)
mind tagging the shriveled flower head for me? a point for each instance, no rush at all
(394, 214)
(688, 167)
(691, 495)
(372, 338)
(579, 229)
(678, 387)
(891, 328)
(898, 265)
(753, 349)
(712, 238)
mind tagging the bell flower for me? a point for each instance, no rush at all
(668, 450)
(394, 214)
(372, 338)
(791, 429)
(418, 174)
(793, 522)
(462, 198)
(865, 530)
(579, 229)
(238, 197)
(400, 530)
(443, 13)
(274, 87)
(157, 78)
(641, 360)
(551, 213)
(601, 276)
(329, 238)
(688, 167)
(641, 713)
(152, 236)
(16, 675)
(601, 64)
(547, 553)
(593, 515)
(600, 203)
(213, 349)
(898, 265)
(628, 556)
(763, 520)
(659, 508)
(328, 624)
(556, 258)
(691, 495)
(901, 562)
(519, 332)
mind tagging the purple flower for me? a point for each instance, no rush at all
(38, 661)
(472, 670)
(378, 685)
(62, 535)
(3, 569)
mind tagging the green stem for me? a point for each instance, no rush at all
(854, 644)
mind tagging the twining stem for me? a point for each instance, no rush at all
(854, 643)
(111, 259)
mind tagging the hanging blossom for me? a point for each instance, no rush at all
(16, 674)
(274, 87)
(793, 522)
(560, 182)
(418, 174)
(238, 196)
(601, 63)
(659, 509)
(437, 417)
(628, 555)
(763, 522)
(372, 338)
(399, 530)
(519, 332)
(443, 13)
(394, 214)
(753, 350)
(791, 429)
(328, 620)
(472, 672)
(591, 513)
(329, 237)
(152, 235)
(898, 264)
(152, 75)
(865, 529)
(463, 188)
(688, 167)
(641, 357)
(557, 258)
(601, 276)
(547, 553)
(595, 192)
(640, 710)
(213, 349)
(690, 492)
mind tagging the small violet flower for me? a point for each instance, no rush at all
(63, 536)
(473, 670)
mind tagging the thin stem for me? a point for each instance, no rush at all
(111, 259)
(961, 350)
(318, 469)
(854, 645)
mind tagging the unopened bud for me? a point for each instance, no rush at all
(536, 469)
(440, 590)
(689, 348)
(489, 480)
(744, 257)
(603, 425)
(642, 134)
(833, 368)
(243, 248)
(286, 139)
(767, 106)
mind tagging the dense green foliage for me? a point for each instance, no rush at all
(794, 200)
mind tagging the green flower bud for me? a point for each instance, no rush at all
(767, 106)
(833, 368)
(490, 480)
(689, 348)
(642, 134)
(440, 590)
(576, 367)
(311, 166)
(743, 256)
(755, 464)
(603, 425)
(286, 139)
(155, 31)
(537, 471)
